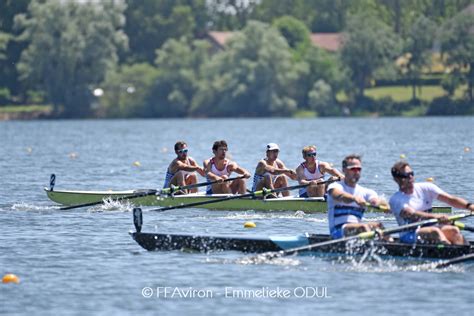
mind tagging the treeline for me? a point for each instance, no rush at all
(153, 58)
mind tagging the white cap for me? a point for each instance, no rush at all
(272, 146)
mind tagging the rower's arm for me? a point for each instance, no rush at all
(410, 213)
(344, 197)
(454, 201)
(236, 168)
(186, 167)
(326, 167)
(282, 169)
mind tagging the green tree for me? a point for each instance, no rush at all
(321, 98)
(294, 31)
(150, 23)
(255, 76)
(458, 44)
(369, 44)
(179, 63)
(229, 15)
(126, 90)
(418, 47)
(10, 48)
(71, 47)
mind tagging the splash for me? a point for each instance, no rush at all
(112, 205)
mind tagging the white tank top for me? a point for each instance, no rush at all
(317, 174)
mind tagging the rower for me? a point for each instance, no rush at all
(347, 201)
(219, 168)
(413, 202)
(271, 172)
(312, 171)
(182, 170)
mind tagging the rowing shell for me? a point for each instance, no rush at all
(309, 205)
(206, 243)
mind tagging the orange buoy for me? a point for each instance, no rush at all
(10, 278)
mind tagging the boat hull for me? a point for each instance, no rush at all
(203, 243)
(309, 205)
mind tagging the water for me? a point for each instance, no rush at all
(83, 261)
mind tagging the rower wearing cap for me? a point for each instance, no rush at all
(413, 203)
(347, 201)
(182, 170)
(219, 168)
(312, 171)
(271, 172)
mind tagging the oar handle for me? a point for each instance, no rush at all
(295, 187)
(463, 226)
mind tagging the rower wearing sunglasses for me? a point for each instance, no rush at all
(413, 203)
(220, 168)
(347, 202)
(182, 170)
(312, 172)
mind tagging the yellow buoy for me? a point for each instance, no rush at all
(10, 278)
(249, 225)
(430, 179)
(402, 156)
(137, 164)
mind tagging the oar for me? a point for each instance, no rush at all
(170, 190)
(262, 192)
(365, 235)
(460, 259)
(463, 226)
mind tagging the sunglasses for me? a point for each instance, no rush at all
(313, 154)
(183, 151)
(355, 169)
(406, 175)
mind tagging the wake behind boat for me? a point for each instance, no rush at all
(309, 205)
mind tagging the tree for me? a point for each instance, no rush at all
(10, 48)
(150, 23)
(458, 44)
(126, 90)
(179, 63)
(294, 31)
(368, 45)
(254, 76)
(71, 47)
(321, 98)
(418, 49)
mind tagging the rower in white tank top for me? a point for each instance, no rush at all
(316, 175)
(217, 172)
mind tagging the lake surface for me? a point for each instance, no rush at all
(83, 261)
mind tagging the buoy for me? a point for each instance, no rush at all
(467, 149)
(10, 278)
(137, 164)
(29, 150)
(430, 179)
(249, 225)
(402, 156)
(73, 155)
(164, 150)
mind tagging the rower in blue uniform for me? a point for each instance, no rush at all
(347, 202)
